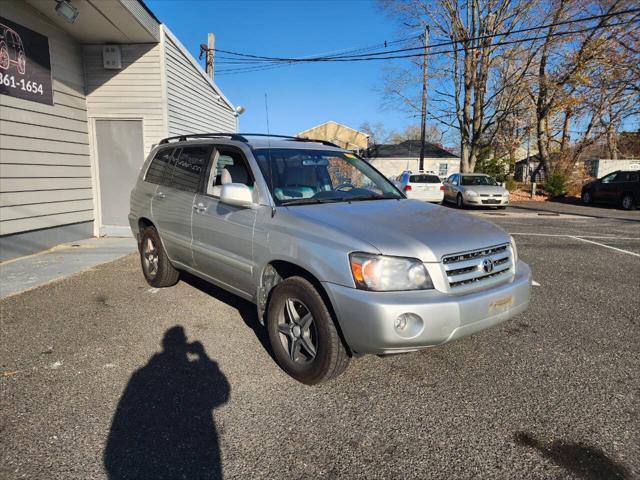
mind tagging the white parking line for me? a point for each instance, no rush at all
(606, 246)
(601, 237)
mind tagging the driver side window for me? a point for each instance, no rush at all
(229, 166)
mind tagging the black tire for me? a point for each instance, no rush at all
(587, 197)
(627, 201)
(164, 274)
(459, 201)
(331, 357)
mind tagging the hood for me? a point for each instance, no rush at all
(406, 228)
(485, 189)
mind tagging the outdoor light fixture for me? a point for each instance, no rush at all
(67, 11)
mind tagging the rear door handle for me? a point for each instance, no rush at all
(199, 208)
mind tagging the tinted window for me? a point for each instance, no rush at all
(188, 169)
(424, 179)
(609, 178)
(478, 180)
(158, 165)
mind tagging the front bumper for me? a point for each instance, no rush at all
(486, 201)
(367, 318)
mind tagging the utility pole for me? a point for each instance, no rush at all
(211, 45)
(208, 51)
(423, 118)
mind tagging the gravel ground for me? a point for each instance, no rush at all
(97, 381)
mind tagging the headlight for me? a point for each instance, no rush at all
(515, 250)
(471, 193)
(380, 273)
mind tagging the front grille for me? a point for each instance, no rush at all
(467, 268)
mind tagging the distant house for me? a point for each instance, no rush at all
(393, 159)
(343, 136)
(529, 170)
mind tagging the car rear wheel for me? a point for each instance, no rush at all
(627, 201)
(587, 198)
(459, 201)
(303, 336)
(156, 266)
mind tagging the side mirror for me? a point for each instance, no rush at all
(237, 194)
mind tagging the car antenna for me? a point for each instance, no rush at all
(266, 108)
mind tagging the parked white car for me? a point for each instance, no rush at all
(475, 189)
(425, 186)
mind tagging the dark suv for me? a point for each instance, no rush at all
(621, 188)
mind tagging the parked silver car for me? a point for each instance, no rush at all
(475, 189)
(336, 259)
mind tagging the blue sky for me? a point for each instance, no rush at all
(300, 96)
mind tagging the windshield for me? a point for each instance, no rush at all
(424, 179)
(319, 176)
(477, 180)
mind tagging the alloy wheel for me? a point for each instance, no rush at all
(297, 331)
(150, 257)
(627, 202)
(586, 198)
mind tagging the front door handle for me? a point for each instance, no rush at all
(199, 208)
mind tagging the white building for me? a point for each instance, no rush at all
(81, 104)
(392, 160)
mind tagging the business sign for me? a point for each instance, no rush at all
(25, 64)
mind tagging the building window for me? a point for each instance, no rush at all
(443, 169)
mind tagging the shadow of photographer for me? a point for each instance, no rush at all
(163, 426)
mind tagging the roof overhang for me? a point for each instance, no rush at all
(105, 21)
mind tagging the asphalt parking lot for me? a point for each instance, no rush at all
(94, 361)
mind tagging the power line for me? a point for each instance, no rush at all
(441, 44)
(281, 63)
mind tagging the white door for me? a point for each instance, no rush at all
(120, 152)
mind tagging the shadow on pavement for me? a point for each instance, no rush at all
(246, 309)
(163, 426)
(582, 460)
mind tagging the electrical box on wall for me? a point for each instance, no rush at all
(111, 57)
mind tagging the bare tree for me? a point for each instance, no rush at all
(581, 79)
(463, 76)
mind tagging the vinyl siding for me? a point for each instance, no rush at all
(133, 91)
(193, 103)
(45, 171)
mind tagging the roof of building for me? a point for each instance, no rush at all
(409, 149)
(330, 122)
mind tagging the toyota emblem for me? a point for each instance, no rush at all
(487, 265)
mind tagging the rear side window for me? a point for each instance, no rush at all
(158, 165)
(189, 166)
(424, 179)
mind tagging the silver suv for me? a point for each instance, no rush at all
(337, 260)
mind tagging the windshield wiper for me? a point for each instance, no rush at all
(308, 201)
(373, 196)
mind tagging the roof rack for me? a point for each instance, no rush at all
(242, 137)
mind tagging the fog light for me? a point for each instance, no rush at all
(408, 325)
(400, 322)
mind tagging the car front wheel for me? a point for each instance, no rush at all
(627, 201)
(459, 201)
(586, 197)
(4, 57)
(303, 336)
(156, 266)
